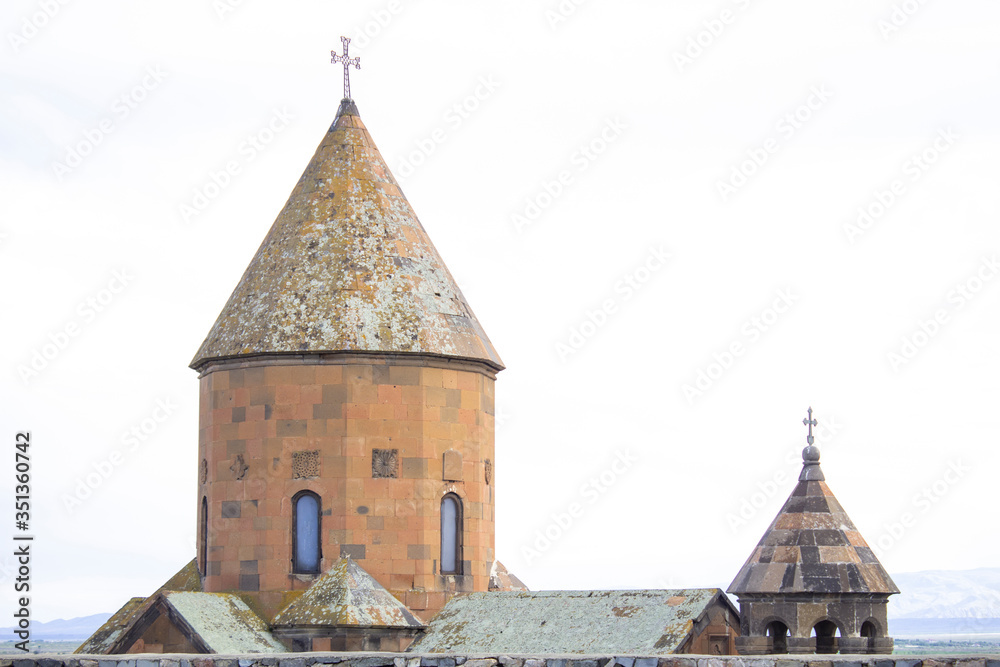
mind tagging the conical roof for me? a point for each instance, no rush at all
(347, 597)
(812, 546)
(347, 266)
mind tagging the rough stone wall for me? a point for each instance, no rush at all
(369, 434)
(716, 633)
(440, 660)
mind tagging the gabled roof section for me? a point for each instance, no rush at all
(812, 546)
(346, 597)
(644, 622)
(101, 642)
(222, 622)
(347, 266)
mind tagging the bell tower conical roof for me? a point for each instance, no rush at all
(812, 546)
(347, 267)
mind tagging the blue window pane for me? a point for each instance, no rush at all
(449, 535)
(307, 534)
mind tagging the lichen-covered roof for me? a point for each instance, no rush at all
(105, 637)
(187, 579)
(646, 622)
(812, 546)
(224, 622)
(347, 266)
(347, 597)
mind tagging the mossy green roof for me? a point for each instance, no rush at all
(347, 597)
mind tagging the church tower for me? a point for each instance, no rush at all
(812, 584)
(346, 400)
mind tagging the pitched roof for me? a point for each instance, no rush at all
(812, 546)
(346, 597)
(643, 622)
(347, 266)
(108, 634)
(223, 622)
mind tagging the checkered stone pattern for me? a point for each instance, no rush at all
(812, 546)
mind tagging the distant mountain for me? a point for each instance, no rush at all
(947, 594)
(61, 629)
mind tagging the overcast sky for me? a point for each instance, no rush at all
(680, 223)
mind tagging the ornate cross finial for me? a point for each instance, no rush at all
(810, 422)
(347, 63)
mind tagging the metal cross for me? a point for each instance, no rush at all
(347, 63)
(810, 422)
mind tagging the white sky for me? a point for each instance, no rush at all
(672, 132)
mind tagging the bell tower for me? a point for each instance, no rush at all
(812, 584)
(346, 399)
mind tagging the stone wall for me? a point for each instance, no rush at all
(378, 439)
(443, 660)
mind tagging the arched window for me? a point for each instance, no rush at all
(306, 534)
(203, 538)
(451, 534)
(869, 631)
(777, 636)
(825, 633)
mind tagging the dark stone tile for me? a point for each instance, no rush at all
(380, 375)
(249, 582)
(816, 504)
(830, 538)
(334, 393)
(248, 567)
(766, 554)
(807, 538)
(789, 579)
(239, 415)
(866, 554)
(355, 551)
(231, 509)
(328, 411)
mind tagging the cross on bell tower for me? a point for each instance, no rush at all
(810, 422)
(356, 61)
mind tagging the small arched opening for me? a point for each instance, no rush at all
(825, 633)
(451, 534)
(869, 631)
(305, 533)
(777, 637)
(203, 538)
